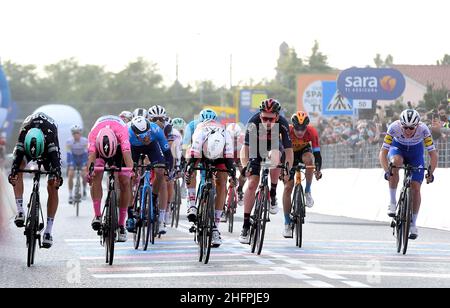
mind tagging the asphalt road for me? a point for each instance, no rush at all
(338, 252)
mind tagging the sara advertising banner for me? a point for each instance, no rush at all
(371, 83)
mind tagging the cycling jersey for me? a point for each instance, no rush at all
(422, 135)
(52, 154)
(201, 135)
(177, 143)
(77, 152)
(255, 129)
(310, 138)
(189, 131)
(153, 143)
(117, 125)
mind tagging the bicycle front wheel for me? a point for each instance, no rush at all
(150, 219)
(32, 226)
(264, 217)
(111, 227)
(298, 210)
(407, 219)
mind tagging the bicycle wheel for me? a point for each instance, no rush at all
(231, 209)
(137, 215)
(209, 220)
(177, 202)
(112, 226)
(200, 226)
(256, 224)
(32, 229)
(399, 223)
(407, 219)
(150, 232)
(298, 215)
(77, 195)
(264, 217)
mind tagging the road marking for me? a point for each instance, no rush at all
(319, 284)
(355, 284)
(291, 273)
(186, 274)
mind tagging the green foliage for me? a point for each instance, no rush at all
(434, 97)
(379, 62)
(445, 60)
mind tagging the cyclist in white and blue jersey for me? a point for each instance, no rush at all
(148, 139)
(77, 157)
(404, 145)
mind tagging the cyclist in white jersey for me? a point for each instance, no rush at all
(77, 156)
(404, 144)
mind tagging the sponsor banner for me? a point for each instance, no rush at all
(371, 83)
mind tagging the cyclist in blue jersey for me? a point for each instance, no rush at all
(404, 144)
(148, 139)
(77, 157)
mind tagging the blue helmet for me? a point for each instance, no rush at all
(207, 115)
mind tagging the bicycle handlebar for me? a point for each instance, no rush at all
(37, 172)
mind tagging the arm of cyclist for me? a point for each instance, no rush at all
(432, 167)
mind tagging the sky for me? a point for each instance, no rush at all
(204, 33)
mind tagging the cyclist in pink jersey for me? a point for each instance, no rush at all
(109, 144)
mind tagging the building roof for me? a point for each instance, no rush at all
(435, 75)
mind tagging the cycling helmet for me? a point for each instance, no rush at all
(300, 120)
(157, 111)
(234, 129)
(34, 143)
(410, 117)
(208, 115)
(126, 116)
(270, 105)
(140, 125)
(106, 143)
(179, 123)
(140, 112)
(76, 129)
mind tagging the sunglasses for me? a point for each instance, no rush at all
(269, 119)
(300, 130)
(409, 127)
(158, 119)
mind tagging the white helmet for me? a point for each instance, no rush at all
(76, 129)
(157, 111)
(140, 112)
(410, 117)
(126, 115)
(140, 125)
(234, 129)
(214, 145)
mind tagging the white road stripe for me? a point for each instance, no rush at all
(185, 274)
(319, 284)
(355, 284)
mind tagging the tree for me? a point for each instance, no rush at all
(445, 60)
(433, 97)
(317, 62)
(380, 63)
(289, 65)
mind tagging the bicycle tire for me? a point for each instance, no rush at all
(77, 195)
(112, 226)
(210, 221)
(137, 235)
(150, 234)
(399, 224)
(299, 215)
(199, 228)
(178, 203)
(254, 229)
(32, 226)
(407, 219)
(264, 216)
(231, 209)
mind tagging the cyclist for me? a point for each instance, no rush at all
(109, 144)
(204, 116)
(263, 134)
(235, 131)
(306, 147)
(126, 116)
(158, 114)
(77, 155)
(180, 125)
(38, 140)
(148, 139)
(403, 144)
(213, 143)
(140, 112)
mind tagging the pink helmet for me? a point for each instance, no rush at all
(106, 143)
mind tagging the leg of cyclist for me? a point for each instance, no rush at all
(97, 195)
(396, 160)
(287, 206)
(221, 192)
(275, 157)
(70, 176)
(308, 160)
(192, 192)
(124, 202)
(52, 207)
(18, 193)
(170, 199)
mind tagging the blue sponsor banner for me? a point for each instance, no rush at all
(333, 103)
(5, 95)
(371, 83)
